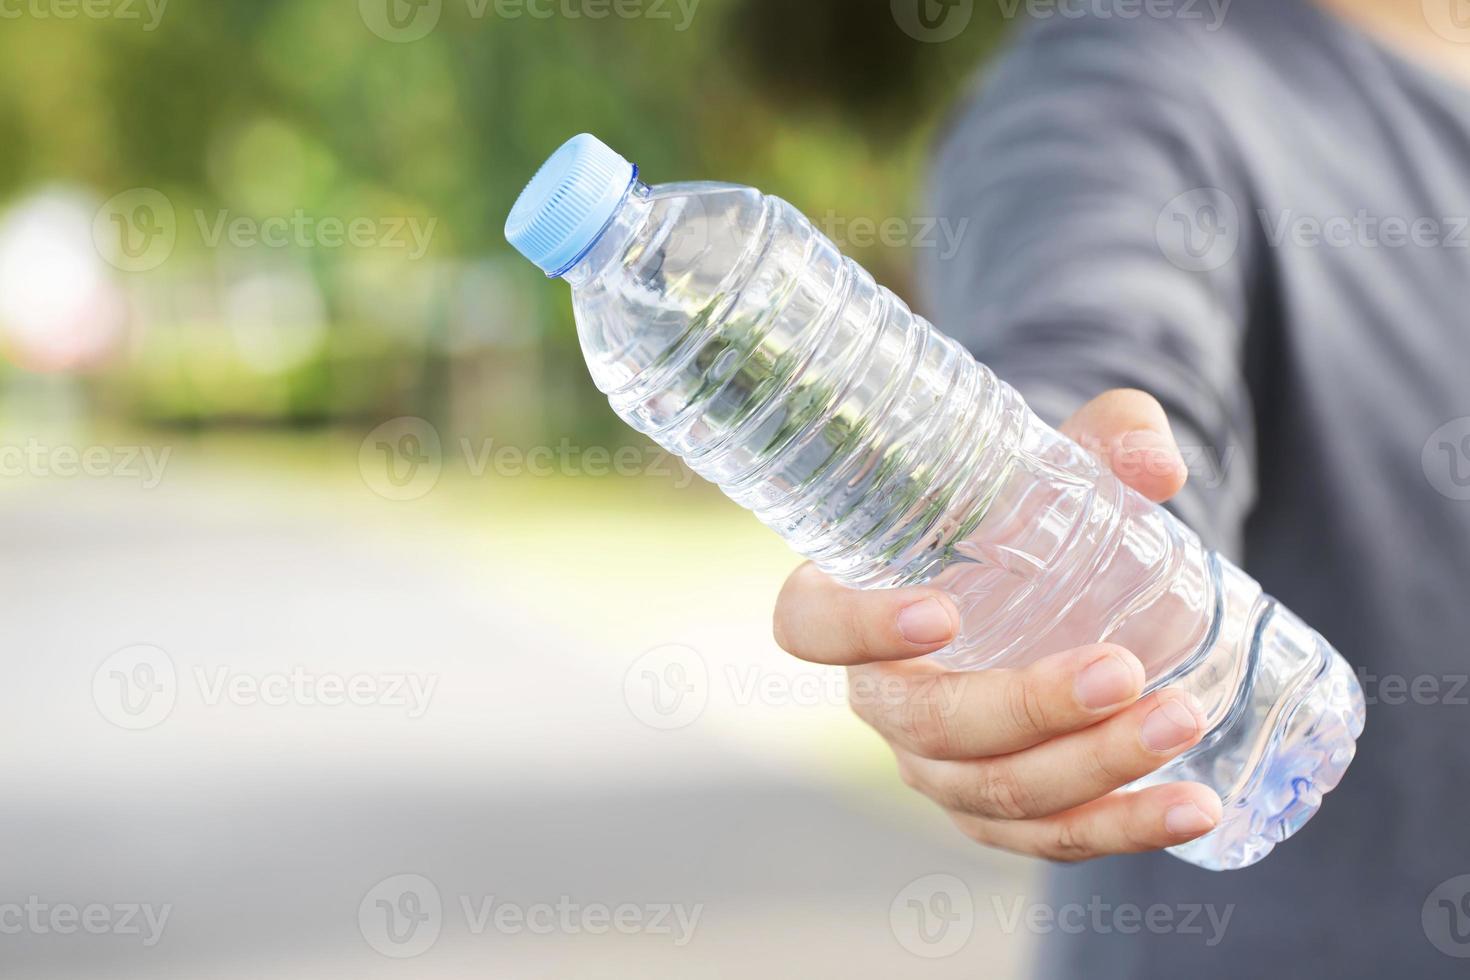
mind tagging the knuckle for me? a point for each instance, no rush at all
(1068, 844)
(862, 682)
(1025, 707)
(864, 711)
(1103, 769)
(950, 797)
(857, 637)
(1137, 836)
(977, 831)
(1000, 793)
(924, 723)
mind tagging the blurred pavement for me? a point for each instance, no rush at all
(531, 772)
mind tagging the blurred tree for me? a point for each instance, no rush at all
(262, 108)
(850, 57)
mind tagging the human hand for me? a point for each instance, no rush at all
(1027, 760)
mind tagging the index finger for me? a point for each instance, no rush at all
(1130, 430)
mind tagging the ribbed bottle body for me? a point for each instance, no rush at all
(722, 324)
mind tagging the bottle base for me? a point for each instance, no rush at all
(1304, 755)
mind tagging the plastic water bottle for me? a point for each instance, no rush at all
(721, 323)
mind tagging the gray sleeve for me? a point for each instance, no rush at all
(1093, 213)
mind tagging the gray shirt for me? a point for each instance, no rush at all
(1263, 222)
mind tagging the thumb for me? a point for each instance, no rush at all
(1130, 432)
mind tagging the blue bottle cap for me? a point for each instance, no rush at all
(567, 204)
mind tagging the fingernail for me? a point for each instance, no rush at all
(925, 622)
(1106, 682)
(1154, 451)
(1187, 820)
(1170, 725)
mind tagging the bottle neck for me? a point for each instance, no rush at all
(612, 241)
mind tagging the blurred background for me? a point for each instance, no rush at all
(348, 632)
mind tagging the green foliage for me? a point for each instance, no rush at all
(263, 108)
